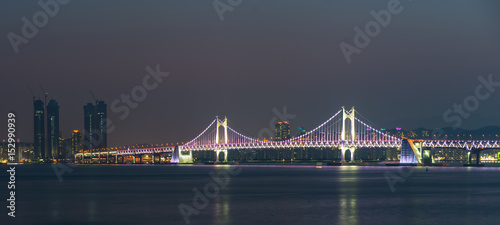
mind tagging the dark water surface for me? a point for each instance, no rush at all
(151, 194)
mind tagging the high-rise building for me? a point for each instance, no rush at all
(101, 117)
(95, 126)
(53, 130)
(89, 125)
(65, 148)
(282, 130)
(76, 142)
(24, 151)
(39, 129)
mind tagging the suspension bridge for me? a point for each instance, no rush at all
(344, 131)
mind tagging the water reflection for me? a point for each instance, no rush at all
(348, 197)
(348, 213)
(92, 211)
(54, 209)
(222, 210)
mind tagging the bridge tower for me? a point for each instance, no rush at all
(351, 116)
(217, 139)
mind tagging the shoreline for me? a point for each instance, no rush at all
(306, 164)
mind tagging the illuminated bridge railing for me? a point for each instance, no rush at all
(145, 151)
(465, 144)
(296, 144)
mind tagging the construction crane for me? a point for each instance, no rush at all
(32, 95)
(93, 96)
(45, 94)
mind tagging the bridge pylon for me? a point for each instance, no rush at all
(351, 116)
(218, 150)
(219, 124)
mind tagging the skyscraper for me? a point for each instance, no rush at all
(65, 148)
(38, 129)
(101, 117)
(76, 142)
(53, 130)
(282, 130)
(95, 126)
(89, 125)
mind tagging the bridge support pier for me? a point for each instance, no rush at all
(179, 156)
(343, 157)
(478, 156)
(186, 157)
(411, 152)
(218, 151)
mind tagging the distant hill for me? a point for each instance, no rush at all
(483, 133)
(471, 123)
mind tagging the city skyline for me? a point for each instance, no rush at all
(292, 132)
(95, 117)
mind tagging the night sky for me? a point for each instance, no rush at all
(263, 55)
